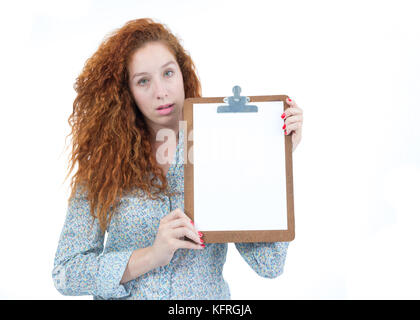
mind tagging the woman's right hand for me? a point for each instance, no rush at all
(172, 229)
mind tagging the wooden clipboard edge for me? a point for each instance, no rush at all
(247, 236)
(243, 235)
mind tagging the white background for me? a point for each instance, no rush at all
(353, 67)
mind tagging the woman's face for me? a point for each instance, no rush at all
(155, 81)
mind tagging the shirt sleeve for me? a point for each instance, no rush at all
(267, 259)
(80, 266)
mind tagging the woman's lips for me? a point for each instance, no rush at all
(166, 110)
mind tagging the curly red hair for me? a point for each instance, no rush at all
(111, 143)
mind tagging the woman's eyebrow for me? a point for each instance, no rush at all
(165, 65)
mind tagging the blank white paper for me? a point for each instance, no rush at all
(239, 168)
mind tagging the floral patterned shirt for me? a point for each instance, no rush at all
(84, 265)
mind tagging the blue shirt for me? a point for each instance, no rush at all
(83, 265)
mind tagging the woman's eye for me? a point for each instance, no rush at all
(169, 71)
(142, 82)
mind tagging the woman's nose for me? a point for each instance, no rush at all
(160, 89)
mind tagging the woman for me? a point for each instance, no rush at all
(133, 86)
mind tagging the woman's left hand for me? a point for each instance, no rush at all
(293, 119)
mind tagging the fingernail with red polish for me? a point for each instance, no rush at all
(200, 234)
(201, 240)
(192, 222)
(284, 127)
(283, 115)
(203, 245)
(285, 132)
(289, 99)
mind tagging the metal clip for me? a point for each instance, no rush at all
(237, 103)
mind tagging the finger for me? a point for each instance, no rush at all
(177, 213)
(181, 244)
(182, 222)
(293, 119)
(293, 127)
(292, 111)
(290, 102)
(180, 214)
(180, 232)
(185, 235)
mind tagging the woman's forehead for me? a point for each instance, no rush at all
(151, 56)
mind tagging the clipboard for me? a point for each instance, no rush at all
(238, 173)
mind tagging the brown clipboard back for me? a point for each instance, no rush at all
(232, 235)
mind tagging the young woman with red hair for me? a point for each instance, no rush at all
(134, 85)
